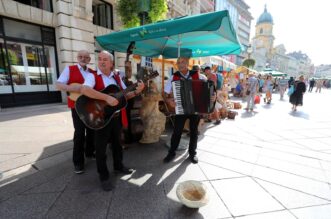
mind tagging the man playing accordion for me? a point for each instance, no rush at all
(183, 73)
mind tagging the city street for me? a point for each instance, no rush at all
(270, 163)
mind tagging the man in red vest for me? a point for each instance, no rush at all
(182, 73)
(104, 77)
(83, 136)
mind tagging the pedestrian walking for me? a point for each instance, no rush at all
(296, 99)
(251, 90)
(282, 87)
(319, 85)
(268, 88)
(311, 85)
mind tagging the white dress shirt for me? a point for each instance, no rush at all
(107, 80)
(64, 77)
(168, 86)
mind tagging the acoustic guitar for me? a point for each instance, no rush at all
(96, 114)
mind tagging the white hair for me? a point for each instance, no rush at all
(111, 57)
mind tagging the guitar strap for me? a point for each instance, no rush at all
(123, 111)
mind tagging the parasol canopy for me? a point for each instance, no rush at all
(190, 36)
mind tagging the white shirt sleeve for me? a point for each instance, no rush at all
(168, 86)
(123, 85)
(203, 77)
(64, 76)
(89, 80)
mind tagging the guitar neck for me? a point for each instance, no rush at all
(129, 89)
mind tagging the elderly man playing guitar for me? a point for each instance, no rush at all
(104, 78)
(71, 80)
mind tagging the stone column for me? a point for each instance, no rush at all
(74, 30)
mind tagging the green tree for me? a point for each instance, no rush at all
(249, 63)
(129, 12)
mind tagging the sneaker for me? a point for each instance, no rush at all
(106, 185)
(124, 170)
(79, 169)
(194, 159)
(169, 158)
(217, 122)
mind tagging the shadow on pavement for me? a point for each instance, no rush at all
(8, 114)
(299, 114)
(49, 188)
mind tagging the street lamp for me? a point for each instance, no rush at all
(144, 7)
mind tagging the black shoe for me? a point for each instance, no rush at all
(217, 122)
(169, 158)
(194, 159)
(124, 170)
(79, 169)
(106, 185)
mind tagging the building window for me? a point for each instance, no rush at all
(149, 62)
(27, 59)
(21, 30)
(102, 14)
(42, 4)
(261, 31)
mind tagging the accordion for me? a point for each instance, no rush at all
(193, 96)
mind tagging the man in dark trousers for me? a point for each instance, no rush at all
(183, 73)
(104, 77)
(71, 80)
(311, 85)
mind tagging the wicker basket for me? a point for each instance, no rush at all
(232, 114)
(236, 105)
(223, 113)
(192, 194)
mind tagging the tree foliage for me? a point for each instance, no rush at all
(128, 11)
(249, 63)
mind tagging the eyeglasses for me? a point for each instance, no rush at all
(83, 57)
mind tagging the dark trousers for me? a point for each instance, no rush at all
(110, 133)
(177, 133)
(83, 140)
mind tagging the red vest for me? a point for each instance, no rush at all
(99, 85)
(75, 76)
(193, 74)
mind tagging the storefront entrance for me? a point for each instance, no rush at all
(28, 68)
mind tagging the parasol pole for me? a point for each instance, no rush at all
(178, 45)
(162, 78)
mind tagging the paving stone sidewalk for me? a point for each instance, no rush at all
(271, 163)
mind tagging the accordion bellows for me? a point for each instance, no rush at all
(192, 194)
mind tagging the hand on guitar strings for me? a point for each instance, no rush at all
(140, 87)
(111, 101)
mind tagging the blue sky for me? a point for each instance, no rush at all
(299, 25)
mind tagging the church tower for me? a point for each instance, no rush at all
(263, 40)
